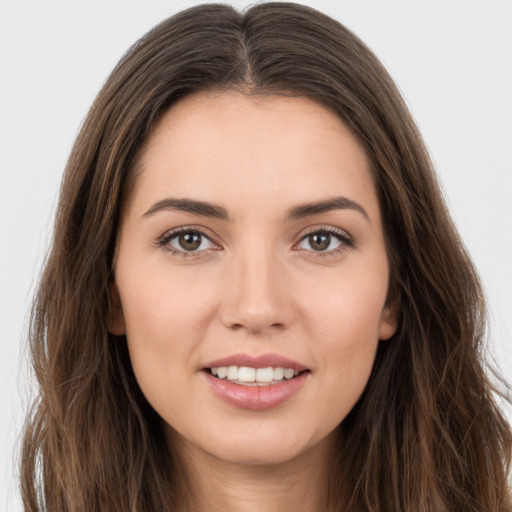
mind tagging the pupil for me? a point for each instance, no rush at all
(320, 241)
(190, 241)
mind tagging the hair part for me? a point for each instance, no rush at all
(426, 435)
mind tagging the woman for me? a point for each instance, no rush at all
(256, 298)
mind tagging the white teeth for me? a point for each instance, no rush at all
(232, 372)
(278, 373)
(265, 374)
(288, 373)
(246, 374)
(254, 376)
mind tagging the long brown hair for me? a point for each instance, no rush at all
(426, 435)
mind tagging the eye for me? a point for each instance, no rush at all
(325, 240)
(186, 241)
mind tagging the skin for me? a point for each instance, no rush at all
(258, 287)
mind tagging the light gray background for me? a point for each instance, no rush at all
(452, 59)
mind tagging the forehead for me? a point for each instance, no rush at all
(233, 146)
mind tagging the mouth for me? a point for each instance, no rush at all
(256, 382)
(252, 376)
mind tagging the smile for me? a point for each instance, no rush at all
(248, 376)
(255, 382)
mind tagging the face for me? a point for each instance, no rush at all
(251, 275)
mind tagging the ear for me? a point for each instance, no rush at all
(388, 321)
(116, 323)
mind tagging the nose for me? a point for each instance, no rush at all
(256, 297)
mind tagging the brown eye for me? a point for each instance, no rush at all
(324, 241)
(319, 241)
(188, 241)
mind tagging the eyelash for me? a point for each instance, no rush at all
(165, 240)
(347, 242)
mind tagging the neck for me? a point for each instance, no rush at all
(215, 485)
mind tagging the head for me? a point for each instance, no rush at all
(271, 56)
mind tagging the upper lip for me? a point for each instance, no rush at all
(257, 361)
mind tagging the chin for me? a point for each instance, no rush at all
(260, 446)
(260, 454)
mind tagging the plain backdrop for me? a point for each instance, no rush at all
(452, 60)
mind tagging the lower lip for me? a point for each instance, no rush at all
(256, 397)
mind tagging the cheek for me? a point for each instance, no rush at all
(348, 355)
(347, 305)
(349, 346)
(158, 301)
(165, 325)
(165, 321)
(343, 317)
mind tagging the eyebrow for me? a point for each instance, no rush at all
(334, 203)
(190, 206)
(206, 209)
